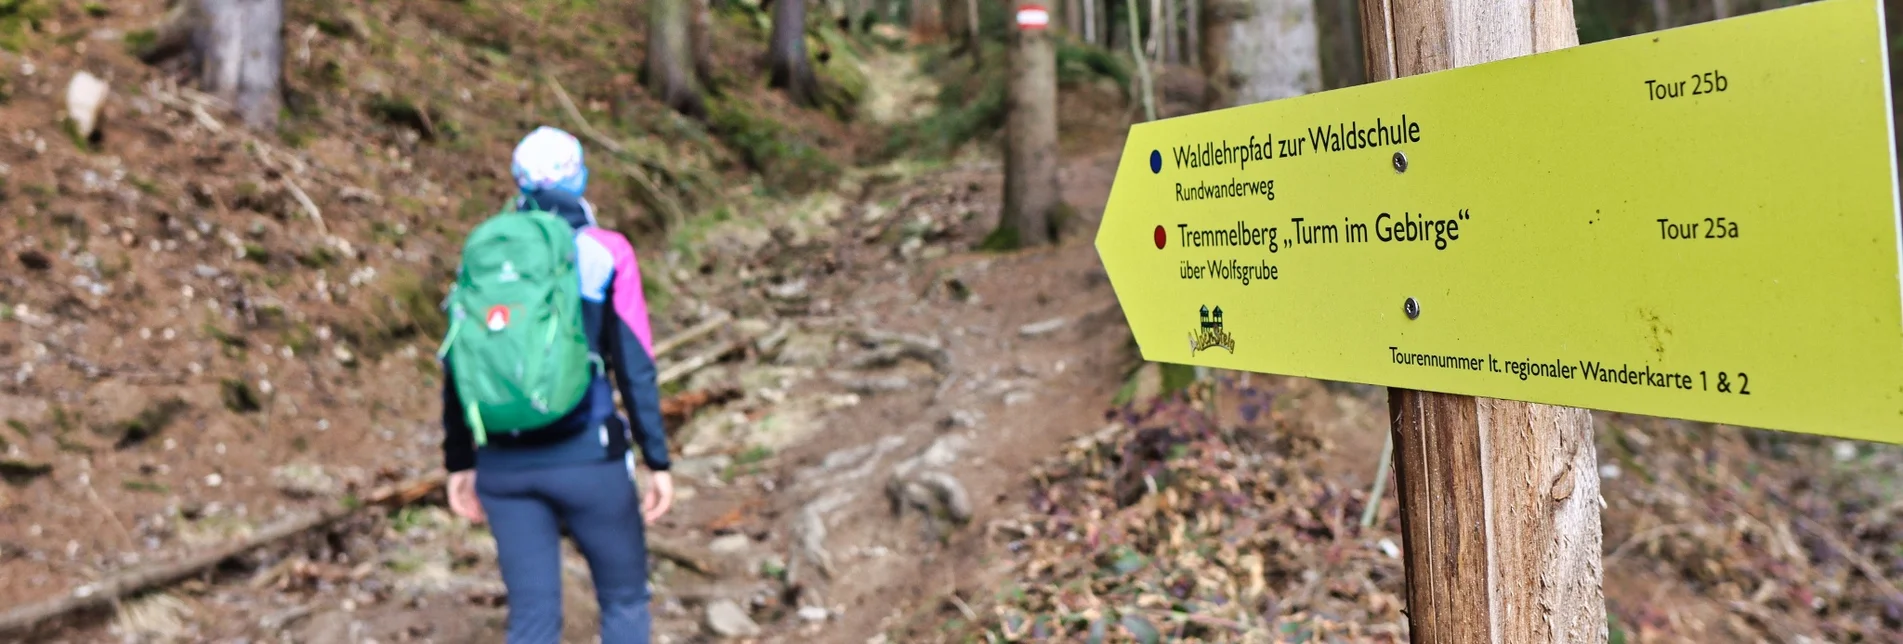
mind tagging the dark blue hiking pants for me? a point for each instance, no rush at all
(527, 509)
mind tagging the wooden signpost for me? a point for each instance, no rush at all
(1697, 223)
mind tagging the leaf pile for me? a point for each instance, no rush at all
(1186, 530)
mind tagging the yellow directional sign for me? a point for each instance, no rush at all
(1698, 223)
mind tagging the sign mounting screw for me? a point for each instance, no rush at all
(1411, 308)
(1400, 162)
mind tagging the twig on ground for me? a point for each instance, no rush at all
(310, 207)
(1647, 536)
(1380, 483)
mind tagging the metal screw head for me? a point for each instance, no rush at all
(1411, 308)
(1400, 162)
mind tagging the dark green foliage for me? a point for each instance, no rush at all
(786, 162)
(149, 423)
(1079, 63)
(239, 397)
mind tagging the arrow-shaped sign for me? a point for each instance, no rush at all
(1697, 223)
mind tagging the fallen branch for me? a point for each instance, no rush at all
(650, 192)
(687, 367)
(692, 334)
(107, 592)
(310, 207)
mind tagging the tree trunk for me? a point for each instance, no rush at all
(1169, 54)
(928, 22)
(789, 66)
(1720, 9)
(1074, 17)
(971, 30)
(1661, 14)
(1090, 21)
(1273, 51)
(1152, 46)
(1030, 164)
(1499, 499)
(1144, 85)
(702, 37)
(1192, 32)
(670, 51)
(240, 51)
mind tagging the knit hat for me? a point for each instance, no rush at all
(549, 158)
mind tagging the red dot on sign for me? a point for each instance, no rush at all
(1161, 238)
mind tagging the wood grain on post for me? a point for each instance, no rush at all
(1499, 499)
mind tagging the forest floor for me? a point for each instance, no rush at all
(186, 358)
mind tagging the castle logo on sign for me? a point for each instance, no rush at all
(1211, 335)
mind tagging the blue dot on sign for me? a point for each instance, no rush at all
(1156, 162)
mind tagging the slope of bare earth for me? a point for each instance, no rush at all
(205, 330)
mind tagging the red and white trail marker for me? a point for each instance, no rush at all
(1033, 17)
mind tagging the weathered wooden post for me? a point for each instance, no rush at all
(1499, 500)
(1514, 231)
(1030, 160)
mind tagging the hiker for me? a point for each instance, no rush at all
(544, 311)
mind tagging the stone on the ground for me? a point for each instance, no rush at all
(727, 619)
(1045, 327)
(85, 101)
(304, 480)
(729, 544)
(814, 613)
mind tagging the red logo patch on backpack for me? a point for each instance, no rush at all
(498, 317)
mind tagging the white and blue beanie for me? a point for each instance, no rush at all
(549, 158)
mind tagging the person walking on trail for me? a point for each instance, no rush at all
(546, 310)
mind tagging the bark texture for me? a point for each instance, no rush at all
(1499, 499)
(1030, 165)
(928, 20)
(670, 52)
(788, 65)
(239, 45)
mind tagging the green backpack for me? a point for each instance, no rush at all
(516, 348)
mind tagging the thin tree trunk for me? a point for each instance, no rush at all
(1192, 33)
(1030, 166)
(1090, 21)
(1073, 17)
(1170, 55)
(1151, 46)
(669, 54)
(1143, 64)
(971, 30)
(702, 38)
(240, 50)
(1661, 14)
(1720, 9)
(787, 62)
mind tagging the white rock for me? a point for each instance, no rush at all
(731, 543)
(814, 613)
(727, 619)
(85, 100)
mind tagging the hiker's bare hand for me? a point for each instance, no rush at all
(659, 497)
(462, 496)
